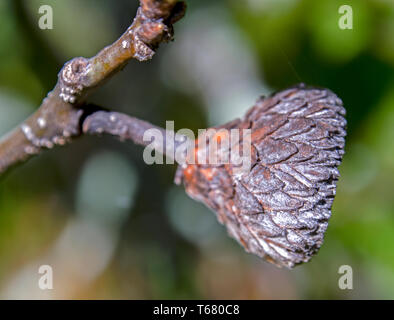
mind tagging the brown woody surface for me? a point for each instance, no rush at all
(59, 118)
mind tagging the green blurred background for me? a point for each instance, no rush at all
(113, 227)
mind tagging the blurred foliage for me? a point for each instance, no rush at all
(113, 227)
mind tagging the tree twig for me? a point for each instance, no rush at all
(58, 119)
(125, 127)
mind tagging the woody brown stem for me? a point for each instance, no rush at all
(57, 121)
(125, 128)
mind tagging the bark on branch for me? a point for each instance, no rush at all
(125, 128)
(60, 117)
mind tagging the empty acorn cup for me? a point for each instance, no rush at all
(280, 208)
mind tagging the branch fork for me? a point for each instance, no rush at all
(60, 117)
